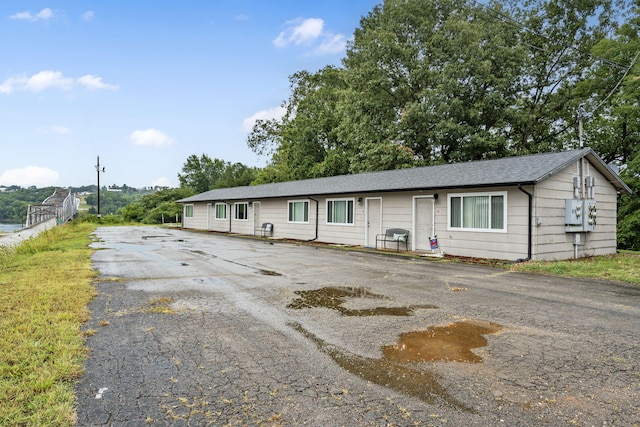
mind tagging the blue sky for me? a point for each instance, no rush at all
(145, 84)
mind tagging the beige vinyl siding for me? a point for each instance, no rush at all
(349, 234)
(397, 211)
(276, 211)
(199, 219)
(511, 245)
(551, 241)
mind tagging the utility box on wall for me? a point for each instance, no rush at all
(580, 215)
(573, 212)
(589, 215)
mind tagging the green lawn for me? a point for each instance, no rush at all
(623, 267)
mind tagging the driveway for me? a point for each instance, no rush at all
(193, 328)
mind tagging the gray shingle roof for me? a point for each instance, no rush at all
(525, 170)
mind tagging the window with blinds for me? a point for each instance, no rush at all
(340, 211)
(299, 211)
(478, 211)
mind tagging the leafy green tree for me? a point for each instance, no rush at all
(558, 36)
(201, 173)
(150, 208)
(611, 94)
(628, 233)
(431, 80)
(304, 143)
(236, 175)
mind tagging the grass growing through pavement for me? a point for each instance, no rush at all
(44, 292)
(624, 267)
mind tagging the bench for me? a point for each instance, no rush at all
(395, 235)
(265, 230)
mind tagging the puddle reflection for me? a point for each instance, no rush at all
(335, 297)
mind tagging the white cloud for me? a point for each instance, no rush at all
(333, 43)
(271, 113)
(95, 82)
(162, 181)
(30, 175)
(308, 31)
(52, 79)
(242, 17)
(300, 31)
(150, 137)
(88, 15)
(46, 79)
(43, 15)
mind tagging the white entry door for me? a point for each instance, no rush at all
(423, 223)
(256, 215)
(211, 214)
(374, 221)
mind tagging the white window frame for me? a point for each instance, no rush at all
(293, 202)
(188, 208)
(480, 230)
(222, 218)
(353, 211)
(246, 211)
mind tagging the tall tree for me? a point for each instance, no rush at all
(201, 173)
(304, 143)
(434, 78)
(558, 36)
(611, 94)
(433, 81)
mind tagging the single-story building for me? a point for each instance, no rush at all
(541, 207)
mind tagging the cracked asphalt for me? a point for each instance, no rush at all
(192, 329)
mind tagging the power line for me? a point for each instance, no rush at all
(509, 20)
(617, 84)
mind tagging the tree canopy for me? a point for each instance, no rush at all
(202, 173)
(436, 81)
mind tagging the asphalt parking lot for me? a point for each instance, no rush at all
(192, 329)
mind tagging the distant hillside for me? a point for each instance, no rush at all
(14, 200)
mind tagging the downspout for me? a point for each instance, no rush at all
(317, 213)
(530, 236)
(229, 205)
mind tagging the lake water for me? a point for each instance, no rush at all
(10, 228)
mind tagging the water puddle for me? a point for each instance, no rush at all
(442, 343)
(400, 368)
(334, 298)
(401, 377)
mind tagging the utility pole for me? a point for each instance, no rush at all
(582, 114)
(98, 170)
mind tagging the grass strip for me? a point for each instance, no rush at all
(45, 287)
(622, 267)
